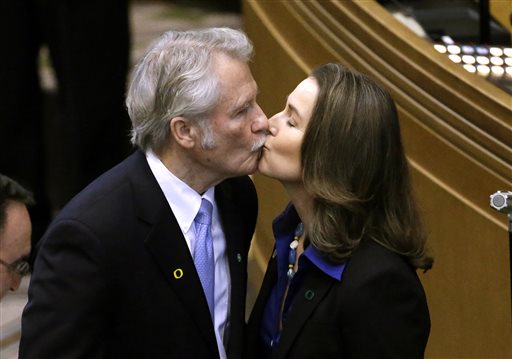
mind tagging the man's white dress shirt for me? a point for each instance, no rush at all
(185, 203)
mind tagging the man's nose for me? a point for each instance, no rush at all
(260, 124)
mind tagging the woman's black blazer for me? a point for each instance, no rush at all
(378, 310)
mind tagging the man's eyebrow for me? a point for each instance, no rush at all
(246, 101)
(240, 106)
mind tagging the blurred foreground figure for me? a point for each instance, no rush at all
(15, 232)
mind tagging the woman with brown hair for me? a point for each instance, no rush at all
(342, 281)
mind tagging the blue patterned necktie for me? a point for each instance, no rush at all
(203, 251)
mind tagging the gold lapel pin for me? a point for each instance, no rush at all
(178, 273)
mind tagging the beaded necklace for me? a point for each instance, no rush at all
(292, 256)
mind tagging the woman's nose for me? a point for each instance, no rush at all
(273, 125)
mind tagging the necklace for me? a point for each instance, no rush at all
(292, 256)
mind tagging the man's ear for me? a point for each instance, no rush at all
(183, 131)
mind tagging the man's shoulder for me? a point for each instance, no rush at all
(110, 190)
(112, 207)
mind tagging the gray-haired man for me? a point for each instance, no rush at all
(114, 275)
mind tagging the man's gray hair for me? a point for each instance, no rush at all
(176, 78)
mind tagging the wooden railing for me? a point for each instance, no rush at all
(457, 129)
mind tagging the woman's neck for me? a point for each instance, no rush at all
(302, 201)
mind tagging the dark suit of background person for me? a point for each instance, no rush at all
(377, 287)
(114, 276)
(88, 43)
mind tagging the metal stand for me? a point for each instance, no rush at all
(510, 250)
(502, 202)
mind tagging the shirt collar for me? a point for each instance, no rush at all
(333, 270)
(183, 200)
(284, 227)
(285, 223)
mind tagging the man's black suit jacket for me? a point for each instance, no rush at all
(378, 310)
(114, 277)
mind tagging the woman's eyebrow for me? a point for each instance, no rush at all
(294, 110)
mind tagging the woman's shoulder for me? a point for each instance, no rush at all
(376, 276)
(371, 260)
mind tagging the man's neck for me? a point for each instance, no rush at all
(186, 169)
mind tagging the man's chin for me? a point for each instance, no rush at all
(262, 167)
(252, 165)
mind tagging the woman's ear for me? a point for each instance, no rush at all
(183, 131)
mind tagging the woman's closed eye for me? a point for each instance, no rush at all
(291, 123)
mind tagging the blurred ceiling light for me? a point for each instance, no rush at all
(447, 39)
(497, 70)
(440, 48)
(482, 50)
(455, 58)
(468, 59)
(468, 49)
(453, 49)
(498, 61)
(482, 60)
(483, 70)
(470, 68)
(496, 51)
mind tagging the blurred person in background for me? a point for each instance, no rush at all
(88, 46)
(15, 232)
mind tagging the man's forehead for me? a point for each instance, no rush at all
(16, 230)
(240, 95)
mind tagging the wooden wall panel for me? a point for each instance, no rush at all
(457, 130)
(502, 12)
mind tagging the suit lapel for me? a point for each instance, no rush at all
(253, 340)
(313, 289)
(237, 259)
(169, 249)
(268, 283)
(164, 240)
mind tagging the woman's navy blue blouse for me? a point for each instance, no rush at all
(284, 227)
